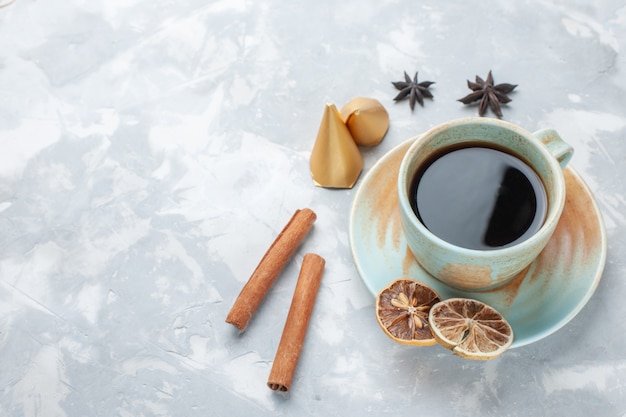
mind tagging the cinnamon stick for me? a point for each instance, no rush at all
(292, 339)
(269, 268)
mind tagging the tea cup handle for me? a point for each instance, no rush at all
(560, 149)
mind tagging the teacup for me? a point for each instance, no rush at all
(507, 180)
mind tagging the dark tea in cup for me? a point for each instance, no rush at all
(478, 197)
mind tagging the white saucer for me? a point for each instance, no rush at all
(542, 299)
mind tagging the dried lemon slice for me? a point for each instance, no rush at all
(470, 328)
(402, 311)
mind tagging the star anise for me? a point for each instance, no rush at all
(413, 90)
(490, 95)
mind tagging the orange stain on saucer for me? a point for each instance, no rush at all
(386, 210)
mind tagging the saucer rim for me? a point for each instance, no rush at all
(542, 333)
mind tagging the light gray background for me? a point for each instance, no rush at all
(152, 150)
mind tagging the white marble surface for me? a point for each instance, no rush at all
(151, 151)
